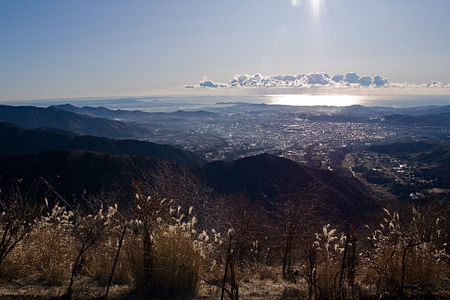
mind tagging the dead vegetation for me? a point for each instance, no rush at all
(159, 252)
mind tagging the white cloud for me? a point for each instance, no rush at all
(365, 81)
(379, 81)
(351, 78)
(317, 80)
(207, 83)
(338, 78)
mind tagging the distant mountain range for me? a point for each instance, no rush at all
(423, 120)
(36, 117)
(101, 121)
(425, 115)
(17, 140)
(379, 111)
(133, 115)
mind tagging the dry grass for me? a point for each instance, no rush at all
(401, 256)
(84, 288)
(181, 257)
(267, 273)
(176, 264)
(252, 287)
(44, 256)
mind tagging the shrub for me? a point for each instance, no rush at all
(177, 252)
(17, 218)
(401, 254)
(49, 248)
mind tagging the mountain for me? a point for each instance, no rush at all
(260, 184)
(267, 179)
(437, 110)
(17, 140)
(433, 160)
(423, 120)
(423, 151)
(35, 117)
(379, 111)
(78, 174)
(134, 115)
(102, 112)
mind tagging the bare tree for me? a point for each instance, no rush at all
(88, 230)
(17, 218)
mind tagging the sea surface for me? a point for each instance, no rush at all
(174, 103)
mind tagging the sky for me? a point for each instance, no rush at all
(55, 49)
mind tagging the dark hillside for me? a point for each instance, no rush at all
(74, 174)
(425, 152)
(266, 179)
(434, 159)
(17, 140)
(35, 117)
(419, 120)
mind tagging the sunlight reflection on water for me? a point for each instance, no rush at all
(316, 100)
(173, 103)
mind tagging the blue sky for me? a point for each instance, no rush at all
(51, 49)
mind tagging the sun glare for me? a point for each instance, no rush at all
(315, 100)
(316, 7)
(296, 3)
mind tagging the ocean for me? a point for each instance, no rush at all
(174, 103)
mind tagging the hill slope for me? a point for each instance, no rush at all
(262, 182)
(17, 140)
(433, 159)
(76, 174)
(35, 117)
(134, 115)
(268, 179)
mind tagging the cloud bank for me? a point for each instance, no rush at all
(313, 81)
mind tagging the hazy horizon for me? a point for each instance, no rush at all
(184, 102)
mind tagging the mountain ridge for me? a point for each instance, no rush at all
(18, 140)
(77, 173)
(133, 115)
(36, 117)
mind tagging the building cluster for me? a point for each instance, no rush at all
(234, 135)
